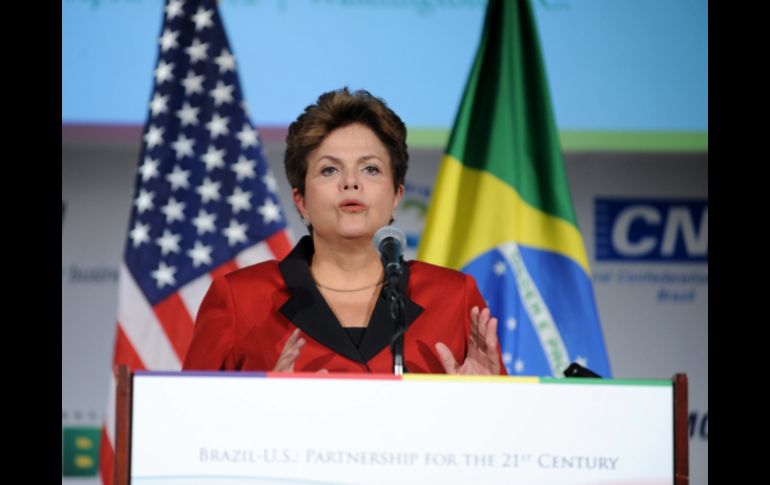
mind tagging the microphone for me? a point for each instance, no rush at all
(390, 242)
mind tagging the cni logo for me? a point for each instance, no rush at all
(666, 230)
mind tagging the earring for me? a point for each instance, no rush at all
(305, 222)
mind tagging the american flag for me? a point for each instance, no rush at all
(205, 201)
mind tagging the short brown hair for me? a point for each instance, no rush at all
(337, 109)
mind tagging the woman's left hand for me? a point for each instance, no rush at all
(482, 356)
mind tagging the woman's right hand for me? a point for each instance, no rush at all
(289, 353)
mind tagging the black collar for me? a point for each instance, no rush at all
(307, 309)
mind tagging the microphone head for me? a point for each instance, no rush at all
(389, 231)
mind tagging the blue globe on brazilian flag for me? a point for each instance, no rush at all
(501, 208)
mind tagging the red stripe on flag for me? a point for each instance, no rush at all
(106, 459)
(223, 269)
(279, 244)
(176, 322)
(125, 352)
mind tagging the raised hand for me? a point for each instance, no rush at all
(482, 356)
(289, 353)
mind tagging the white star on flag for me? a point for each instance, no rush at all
(193, 84)
(164, 275)
(507, 358)
(204, 222)
(154, 136)
(581, 360)
(158, 104)
(213, 158)
(144, 201)
(218, 126)
(499, 268)
(202, 18)
(235, 232)
(244, 168)
(245, 108)
(518, 366)
(239, 200)
(149, 169)
(164, 72)
(270, 182)
(179, 178)
(188, 115)
(183, 146)
(197, 51)
(173, 210)
(169, 40)
(169, 243)
(270, 211)
(174, 9)
(208, 190)
(200, 254)
(247, 136)
(140, 234)
(511, 324)
(225, 61)
(222, 93)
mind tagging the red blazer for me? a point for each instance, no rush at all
(247, 316)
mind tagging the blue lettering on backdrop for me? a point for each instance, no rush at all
(699, 425)
(651, 230)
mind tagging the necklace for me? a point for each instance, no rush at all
(339, 290)
(348, 291)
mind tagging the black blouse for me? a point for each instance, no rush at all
(356, 334)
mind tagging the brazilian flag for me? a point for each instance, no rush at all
(501, 209)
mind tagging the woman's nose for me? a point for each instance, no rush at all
(350, 181)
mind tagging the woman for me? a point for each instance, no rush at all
(321, 308)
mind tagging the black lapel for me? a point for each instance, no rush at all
(308, 310)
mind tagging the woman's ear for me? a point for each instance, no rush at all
(299, 202)
(399, 196)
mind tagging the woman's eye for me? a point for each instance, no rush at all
(328, 170)
(372, 170)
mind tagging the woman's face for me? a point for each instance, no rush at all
(348, 185)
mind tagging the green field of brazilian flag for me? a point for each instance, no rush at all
(501, 208)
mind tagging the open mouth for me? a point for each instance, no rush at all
(352, 206)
